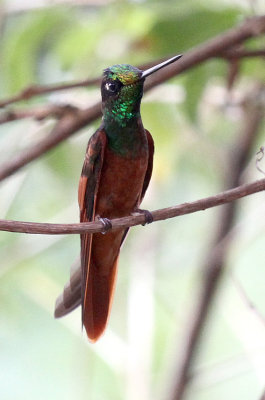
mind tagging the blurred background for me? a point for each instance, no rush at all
(196, 120)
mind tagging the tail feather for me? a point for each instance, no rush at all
(61, 309)
(70, 299)
(98, 300)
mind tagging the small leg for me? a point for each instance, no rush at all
(148, 216)
(106, 224)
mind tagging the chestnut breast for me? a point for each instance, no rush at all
(121, 184)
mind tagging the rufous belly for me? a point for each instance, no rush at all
(119, 192)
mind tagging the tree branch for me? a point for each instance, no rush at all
(57, 111)
(241, 53)
(73, 121)
(118, 223)
(38, 113)
(212, 48)
(215, 261)
(37, 90)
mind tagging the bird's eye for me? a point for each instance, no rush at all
(111, 87)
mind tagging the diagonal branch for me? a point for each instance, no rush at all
(38, 90)
(74, 121)
(212, 48)
(215, 262)
(118, 223)
(57, 111)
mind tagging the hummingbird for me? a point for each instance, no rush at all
(116, 173)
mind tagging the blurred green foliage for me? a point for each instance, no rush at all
(194, 129)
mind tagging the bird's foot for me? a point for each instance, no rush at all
(106, 224)
(148, 216)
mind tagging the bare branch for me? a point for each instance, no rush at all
(73, 121)
(212, 48)
(37, 90)
(231, 54)
(57, 111)
(118, 223)
(215, 262)
(38, 113)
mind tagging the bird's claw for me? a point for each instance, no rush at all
(106, 224)
(148, 216)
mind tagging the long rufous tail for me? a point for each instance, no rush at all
(98, 300)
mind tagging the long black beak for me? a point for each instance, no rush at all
(149, 71)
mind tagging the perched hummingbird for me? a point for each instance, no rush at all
(116, 173)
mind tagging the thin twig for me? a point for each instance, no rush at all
(73, 121)
(38, 113)
(121, 223)
(260, 156)
(249, 303)
(37, 90)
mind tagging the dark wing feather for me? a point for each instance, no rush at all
(151, 149)
(87, 195)
(74, 290)
(148, 174)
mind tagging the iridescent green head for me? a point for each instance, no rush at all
(122, 90)
(124, 73)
